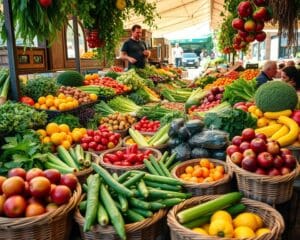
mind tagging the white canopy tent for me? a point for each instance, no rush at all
(178, 15)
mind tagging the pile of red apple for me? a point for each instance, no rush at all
(212, 99)
(250, 23)
(35, 192)
(257, 154)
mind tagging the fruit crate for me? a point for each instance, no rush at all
(271, 218)
(269, 189)
(53, 225)
(220, 186)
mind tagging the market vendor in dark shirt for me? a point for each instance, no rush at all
(134, 50)
(268, 72)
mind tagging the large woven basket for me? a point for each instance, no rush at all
(197, 189)
(271, 218)
(147, 229)
(121, 169)
(269, 189)
(54, 225)
(83, 174)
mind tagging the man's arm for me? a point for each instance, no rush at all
(124, 56)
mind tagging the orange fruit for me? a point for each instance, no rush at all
(46, 139)
(62, 107)
(76, 135)
(64, 128)
(70, 105)
(42, 100)
(208, 180)
(189, 169)
(220, 169)
(204, 162)
(53, 108)
(205, 172)
(93, 97)
(52, 128)
(37, 105)
(197, 172)
(57, 138)
(44, 107)
(61, 96)
(66, 144)
(217, 175)
(49, 102)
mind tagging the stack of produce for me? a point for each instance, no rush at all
(117, 121)
(59, 103)
(203, 81)
(60, 134)
(146, 125)
(108, 82)
(131, 79)
(47, 190)
(134, 202)
(100, 139)
(103, 92)
(70, 78)
(17, 117)
(69, 161)
(81, 96)
(123, 105)
(176, 95)
(211, 99)
(254, 153)
(188, 140)
(220, 82)
(226, 216)
(249, 74)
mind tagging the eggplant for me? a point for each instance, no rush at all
(197, 140)
(194, 126)
(200, 153)
(173, 142)
(183, 133)
(218, 154)
(174, 127)
(183, 152)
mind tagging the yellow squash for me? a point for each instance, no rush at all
(221, 228)
(276, 115)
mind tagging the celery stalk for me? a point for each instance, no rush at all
(138, 138)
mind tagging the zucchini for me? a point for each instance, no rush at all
(102, 216)
(122, 199)
(232, 210)
(170, 160)
(208, 207)
(114, 184)
(92, 202)
(150, 167)
(134, 202)
(144, 212)
(124, 176)
(134, 216)
(157, 193)
(63, 170)
(154, 206)
(162, 186)
(164, 169)
(164, 157)
(133, 180)
(113, 212)
(66, 157)
(155, 165)
(142, 188)
(170, 202)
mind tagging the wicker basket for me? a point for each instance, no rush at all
(55, 225)
(121, 169)
(148, 229)
(271, 218)
(162, 147)
(269, 189)
(197, 189)
(123, 133)
(83, 174)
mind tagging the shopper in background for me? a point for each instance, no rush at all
(290, 63)
(279, 70)
(291, 76)
(268, 72)
(134, 50)
(177, 54)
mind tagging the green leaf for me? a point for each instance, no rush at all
(20, 158)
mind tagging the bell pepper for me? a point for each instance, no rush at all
(27, 100)
(221, 228)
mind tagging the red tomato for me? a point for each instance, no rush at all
(27, 100)
(92, 145)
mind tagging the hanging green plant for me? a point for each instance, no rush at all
(41, 19)
(104, 22)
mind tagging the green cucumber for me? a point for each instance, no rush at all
(157, 193)
(114, 184)
(155, 165)
(170, 202)
(150, 167)
(208, 207)
(63, 170)
(66, 157)
(162, 179)
(164, 157)
(134, 216)
(154, 206)
(82, 206)
(164, 169)
(170, 160)
(124, 176)
(113, 212)
(102, 216)
(134, 202)
(122, 199)
(142, 188)
(133, 180)
(144, 212)
(162, 186)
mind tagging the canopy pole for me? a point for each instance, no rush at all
(12, 50)
(76, 43)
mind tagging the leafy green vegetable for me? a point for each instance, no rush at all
(232, 121)
(23, 150)
(112, 74)
(140, 97)
(170, 116)
(203, 81)
(123, 105)
(131, 79)
(41, 86)
(103, 109)
(239, 91)
(17, 117)
(66, 118)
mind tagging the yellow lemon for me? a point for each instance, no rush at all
(200, 230)
(57, 138)
(221, 214)
(246, 219)
(42, 132)
(243, 232)
(262, 231)
(42, 100)
(64, 128)
(259, 220)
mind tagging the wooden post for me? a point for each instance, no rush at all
(76, 43)
(12, 51)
